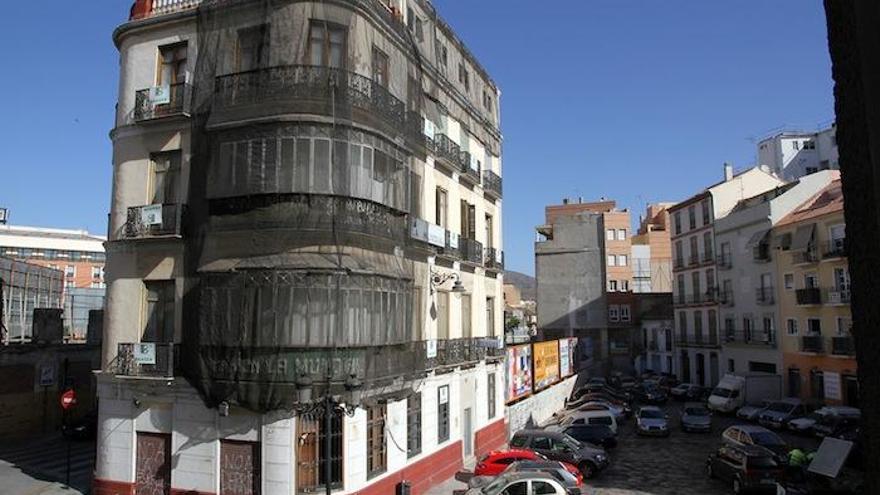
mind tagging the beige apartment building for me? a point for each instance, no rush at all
(814, 293)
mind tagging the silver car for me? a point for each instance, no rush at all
(651, 420)
(695, 417)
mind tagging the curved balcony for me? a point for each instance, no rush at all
(307, 89)
(492, 183)
(153, 221)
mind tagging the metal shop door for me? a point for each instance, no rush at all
(239, 468)
(153, 464)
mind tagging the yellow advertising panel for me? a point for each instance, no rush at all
(546, 363)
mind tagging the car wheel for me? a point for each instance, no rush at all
(587, 469)
(737, 486)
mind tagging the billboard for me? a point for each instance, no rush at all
(519, 371)
(546, 363)
(567, 349)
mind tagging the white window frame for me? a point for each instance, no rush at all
(786, 278)
(613, 312)
(622, 260)
(611, 260)
(612, 286)
(624, 312)
(621, 234)
(609, 234)
(789, 327)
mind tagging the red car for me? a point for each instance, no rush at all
(495, 462)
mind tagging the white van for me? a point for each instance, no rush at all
(601, 417)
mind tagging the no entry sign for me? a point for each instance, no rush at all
(68, 399)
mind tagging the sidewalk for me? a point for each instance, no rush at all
(456, 485)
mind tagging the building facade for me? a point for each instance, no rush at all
(656, 324)
(747, 281)
(78, 254)
(793, 154)
(697, 342)
(815, 327)
(652, 251)
(306, 202)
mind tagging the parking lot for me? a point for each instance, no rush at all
(673, 465)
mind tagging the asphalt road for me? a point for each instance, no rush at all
(674, 465)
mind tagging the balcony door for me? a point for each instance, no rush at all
(172, 64)
(159, 311)
(164, 185)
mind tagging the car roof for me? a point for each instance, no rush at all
(535, 432)
(650, 408)
(527, 475)
(592, 413)
(752, 428)
(510, 452)
(843, 410)
(539, 464)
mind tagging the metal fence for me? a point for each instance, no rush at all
(23, 287)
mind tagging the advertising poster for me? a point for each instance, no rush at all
(519, 371)
(567, 349)
(546, 363)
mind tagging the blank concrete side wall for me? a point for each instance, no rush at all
(540, 407)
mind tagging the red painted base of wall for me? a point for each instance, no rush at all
(108, 487)
(492, 437)
(422, 474)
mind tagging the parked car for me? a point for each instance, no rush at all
(746, 467)
(686, 391)
(743, 435)
(651, 420)
(599, 396)
(807, 423)
(750, 412)
(591, 417)
(590, 460)
(601, 435)
(495, 462)
(523, 483)
(832, 425)
(780, 412)
(627, 383)
(565, 473)
(595, 388)
(650, 393)
(597, 380)
(619, 412)
(695, 417)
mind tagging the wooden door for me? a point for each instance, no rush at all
(153, 464)
(239, 468)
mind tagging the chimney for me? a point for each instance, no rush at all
(565, 201)
(580, 199)
(728, 171)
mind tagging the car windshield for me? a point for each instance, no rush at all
(781, 407)
(766, 438)
(651, 414)
(696, 411)
(600, 420)
(722, 392)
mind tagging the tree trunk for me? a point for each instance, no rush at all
(854, 43)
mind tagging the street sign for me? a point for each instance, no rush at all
(145, 353)
(68, 399)
(47, 375)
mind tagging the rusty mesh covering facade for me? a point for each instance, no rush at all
(300, 186)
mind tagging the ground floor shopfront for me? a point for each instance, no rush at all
(818, 378)
(159, 438)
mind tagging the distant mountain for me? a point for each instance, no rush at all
(527, 284)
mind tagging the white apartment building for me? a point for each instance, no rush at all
(793, 154)
(747, 274)
(306, 202)
(695, 294)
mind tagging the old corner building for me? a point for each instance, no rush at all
(304, 193)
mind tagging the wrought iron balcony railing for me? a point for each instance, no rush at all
(835, 248)
(838, 296)
(708, 256)
(471, 250)
(750, 337)
(163, 220)
(309, 88)
(804, 257)
(843, 346)
(494, 258)
(444, 242)
(678, 263)
(450, 153)
(764, 296)
(470, 171)
(725, 261)
(694, 259)
(726, 298)
(145, 359)
(161, 102)
(808, 296)
(698, 340)
(812, 343)
(492, 183)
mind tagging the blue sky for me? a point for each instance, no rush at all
(634, 100)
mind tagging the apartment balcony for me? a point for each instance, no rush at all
(708, 257)
(835, 248)
(493, 258)
(843, 346)
(457, 352)
(145, 359)
(764, 296)
(804, 257)
(142, 9)
(808, 297)
(470, 171)
(678, 263)
(760, 338)
(289, 89)
(441, 241)
(471, 250)
(812, 343)
(162, 102)
(153, 221)
(761, 253)
(415, 131)
(698, 340)
(725, 298)
(725, 261)
(838, 296)
(492, 183)
(450, 153)
(693, 260)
